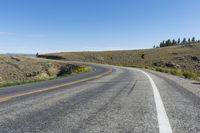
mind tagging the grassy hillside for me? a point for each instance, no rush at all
(183, 57)
(19, 69)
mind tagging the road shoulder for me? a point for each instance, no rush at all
(189, 85)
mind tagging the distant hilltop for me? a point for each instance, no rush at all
(17, 54)
(184, 57)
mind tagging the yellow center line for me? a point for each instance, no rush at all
(4, 99)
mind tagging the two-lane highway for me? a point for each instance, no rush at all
(118, 101)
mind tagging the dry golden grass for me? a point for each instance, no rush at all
(182, 57)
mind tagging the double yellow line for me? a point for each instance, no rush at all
(4, 99)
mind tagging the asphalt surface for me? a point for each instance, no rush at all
(121, 101)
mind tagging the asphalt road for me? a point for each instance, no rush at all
(108, 100)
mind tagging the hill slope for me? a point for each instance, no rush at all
(184, 57)
(19, 69)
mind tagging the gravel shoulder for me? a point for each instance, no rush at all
(192, 86)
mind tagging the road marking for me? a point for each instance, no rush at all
(163, 120)
(4, 99)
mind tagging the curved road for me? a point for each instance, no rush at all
(108, 100)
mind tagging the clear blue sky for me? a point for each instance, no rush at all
(30, 26)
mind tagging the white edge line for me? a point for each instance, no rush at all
(163, 120)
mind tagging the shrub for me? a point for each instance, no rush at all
(166, 70)
(190, 75)
(178, 72)
(159, 69)
(82, 69)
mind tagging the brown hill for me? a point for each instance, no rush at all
(19, 69)
(184, 57)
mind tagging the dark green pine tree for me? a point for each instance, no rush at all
(179, 41)
(174, 42)
(168, 42)
(162, 44)
(189, 41)
(193, 39)
(184, 41)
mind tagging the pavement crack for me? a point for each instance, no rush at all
(132, 87)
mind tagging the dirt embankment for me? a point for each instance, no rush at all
(20, 69)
